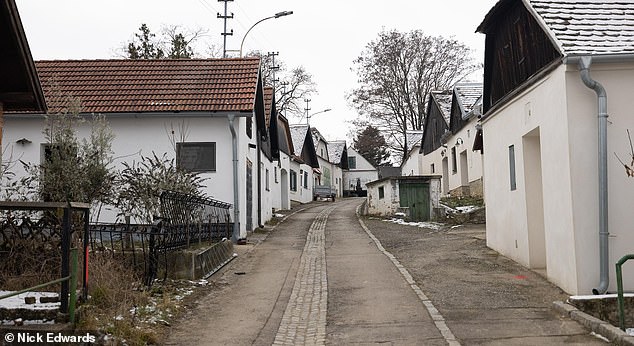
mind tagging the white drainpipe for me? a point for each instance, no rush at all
(604, 277)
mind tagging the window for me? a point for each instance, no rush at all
(61, 153)
(250, 127)
(454, 165)
(293, 180)
(433, 168)
(275, 174)
(352, 162)
(512, 167)
(266, 174)
(196, 156)
(305, 179)
(381, 192)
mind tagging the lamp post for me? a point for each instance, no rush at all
(277, 15)
(309, 116)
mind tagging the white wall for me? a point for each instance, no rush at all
(541, 107)
(364, 171)
(386, 206)
(434, 158)
(144, 134)
(303, 194)
(411, 166)
(582, 131)
(466, 174)
(558, 119)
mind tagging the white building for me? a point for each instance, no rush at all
(304, 164)
(411, 163)
(360, 172)
(195, 108)
(554, 186)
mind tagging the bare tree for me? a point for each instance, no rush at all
(397, 71)
(180, 41)
(291, 87)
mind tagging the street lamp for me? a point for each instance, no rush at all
(309, 116)
(277, 15)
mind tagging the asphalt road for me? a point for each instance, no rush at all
(324, 276)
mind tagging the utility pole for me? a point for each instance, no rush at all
(307, 109)
(274, 67)
(225, 33)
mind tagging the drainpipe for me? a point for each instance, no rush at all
(236, 194)
(584, 66)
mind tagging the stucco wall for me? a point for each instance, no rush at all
(411, 166)
(582, 116)
(468, 171)
(389, 204)
(142, 135)
(511, 225)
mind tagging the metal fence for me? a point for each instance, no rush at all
(185, 220)
(36, 240)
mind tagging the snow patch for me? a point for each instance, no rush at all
(430, 225)
(17, 302)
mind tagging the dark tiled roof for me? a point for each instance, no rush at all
(589, 26)
(120, 86)
(467, 95)
(579, 27)
(443, 99)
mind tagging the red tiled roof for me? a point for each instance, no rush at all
(120, 86)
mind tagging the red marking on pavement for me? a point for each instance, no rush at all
(520, 277)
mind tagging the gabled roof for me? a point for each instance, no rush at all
(443, 100)
(160, 85)
(414, 138)
(467, 96)
(337, 151)
(588, 27)
(298, 135)
(303, 145)
(20, 88)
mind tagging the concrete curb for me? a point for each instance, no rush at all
(612, 333)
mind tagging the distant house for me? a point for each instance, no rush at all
(208, 114)
(20, 88)
(281, 172)
(338, 155)
(360, 172)
(304, 164)
(554, 187)
(325, 174)
(465, 178)
(435, 157)
(411, 163)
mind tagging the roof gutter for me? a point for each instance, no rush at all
(576, 59)
(584, 70)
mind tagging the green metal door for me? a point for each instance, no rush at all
(415, 196)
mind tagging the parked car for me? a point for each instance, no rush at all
(324, 191)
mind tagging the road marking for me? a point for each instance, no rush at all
(438, 319)
(304, 320)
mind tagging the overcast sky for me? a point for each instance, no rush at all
(323, 36)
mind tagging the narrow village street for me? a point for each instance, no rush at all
(324, 277)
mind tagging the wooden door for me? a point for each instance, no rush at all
(415, 196)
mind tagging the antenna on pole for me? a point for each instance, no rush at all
(225, 33)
